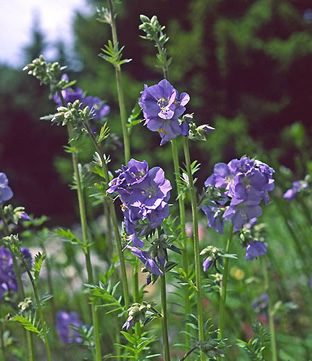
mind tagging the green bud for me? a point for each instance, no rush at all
(144, 18)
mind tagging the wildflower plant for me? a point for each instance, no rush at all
(145, 226)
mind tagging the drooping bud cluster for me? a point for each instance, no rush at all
(245, 183)
(139, 312)
(144, 194)
(95, 104)
(47, 73)
(162, 106)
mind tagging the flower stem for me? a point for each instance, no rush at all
(164, 318)
(83, 220)
(297, 242)
(21, 291)
(196, 244)
(187, 306)
(270, 310)
(114, 220)
(224, 286)
(2, 354)
(121, 101)
(43, 324)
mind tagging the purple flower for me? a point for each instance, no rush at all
(245, 182)
(162, 106)
(149, 263)
(261, 303)
(144, 193)
(64, 321)
(5, 191)
(8, 280)
(70, 95)
(240, 213)
(297, 186)
(128, 324)
(214, 217)
(24, 216)
(7, 275)
(207, 263)
(254, 250)
(27, 256)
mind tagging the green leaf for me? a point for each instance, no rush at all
(104, 132)
(68, 235)
(130, 338)
(28, 324)
(39, 258)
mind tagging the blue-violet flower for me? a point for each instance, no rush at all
(255, 249)
(64, 322)
(5, 191)
(162, 106)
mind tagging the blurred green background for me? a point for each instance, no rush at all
(246, 65)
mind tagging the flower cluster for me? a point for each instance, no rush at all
(8, 280)
(297, 186)
(244, 183)
(148, 261)
(255, 249)
(162, 106)
(100, 110)
(144, 194)
(5, 191)
(65, 323)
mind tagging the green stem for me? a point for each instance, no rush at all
(121, 101)
(118, 353)
(2, 354)
(51, 291)
(270, 310)
(108, 224)
(114, 220)
(224, 286)
(21, 291)
(301, 251)
(196, 245)
(187, 306)
(164, 318)
(136, 298)
(43, 324)
(305, 208)
(163, 54)
(83, 220)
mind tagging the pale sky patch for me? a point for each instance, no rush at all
(17, 17)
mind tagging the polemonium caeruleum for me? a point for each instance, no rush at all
(100, 109)
(246, 182)
(64, 322)
(144, 194)
(255, 249)
(297, 186)
(162, 106)
(5, 191)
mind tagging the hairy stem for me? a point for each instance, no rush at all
(224, 286)
(43, 324)
(21, 291)
(114, 220)
(83, 220)
(165, 318)
(196, 245)
(121, 101)
(270, 311)
(187, 306)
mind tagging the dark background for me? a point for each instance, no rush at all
(246, 65)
